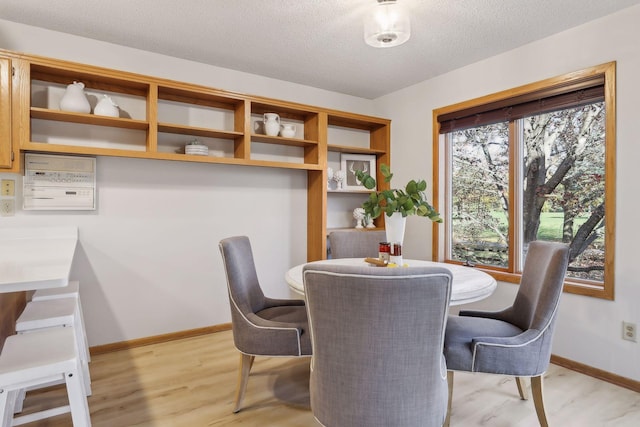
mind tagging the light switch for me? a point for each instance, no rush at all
(8, 187)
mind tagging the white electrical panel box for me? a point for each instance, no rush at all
(53, 182)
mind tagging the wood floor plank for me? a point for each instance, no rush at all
(191, 382)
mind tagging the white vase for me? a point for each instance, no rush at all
(287, 130)
(394, 227)
(271, 124)
(106, 107)
(74, 100)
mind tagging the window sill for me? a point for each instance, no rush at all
(570, 286)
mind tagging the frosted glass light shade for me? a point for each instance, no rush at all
(386, 25)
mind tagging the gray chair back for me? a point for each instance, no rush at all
(541, 285)
(261, 325)
(377, 337)
(245, 293)
(355, 243)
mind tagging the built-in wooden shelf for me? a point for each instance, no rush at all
(160, 116)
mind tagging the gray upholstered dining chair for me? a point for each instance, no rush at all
(517, 340)
(377, 336)
(355, 243)
(261, 326)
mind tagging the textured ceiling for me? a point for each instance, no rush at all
(317, 43)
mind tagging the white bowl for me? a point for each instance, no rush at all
(198, 150)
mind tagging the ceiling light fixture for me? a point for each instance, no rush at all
(386, 25)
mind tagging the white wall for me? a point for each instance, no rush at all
(148, 258)
(589, 330)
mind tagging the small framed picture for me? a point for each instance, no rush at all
(350, 163)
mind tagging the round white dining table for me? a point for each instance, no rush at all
(469, 284)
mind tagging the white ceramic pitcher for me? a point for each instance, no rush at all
(271, 124)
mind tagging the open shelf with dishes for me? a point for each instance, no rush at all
(188, 115)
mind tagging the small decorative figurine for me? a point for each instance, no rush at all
(338, 177)
(329, 177)
(369, 221)
(358, 214)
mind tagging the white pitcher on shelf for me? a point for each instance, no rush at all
(271, 124)
(288, 130)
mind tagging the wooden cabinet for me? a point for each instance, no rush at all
(6, 147)
(158, 117)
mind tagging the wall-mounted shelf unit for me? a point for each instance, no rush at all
(158, 117)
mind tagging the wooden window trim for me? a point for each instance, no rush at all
(606, 75)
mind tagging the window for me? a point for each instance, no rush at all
(531, 163)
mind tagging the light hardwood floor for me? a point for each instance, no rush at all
(191, 382)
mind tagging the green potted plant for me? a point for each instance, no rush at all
(396, 203)
(408, 201)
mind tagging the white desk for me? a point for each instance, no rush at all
(468, 284)
(36, 257)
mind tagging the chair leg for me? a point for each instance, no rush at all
(522, 388)
(78, 404)
(447, 420)
(7, 403)
(83, 352)
(21, 395)
(83, 329)
(536, 390)
(246, 362)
